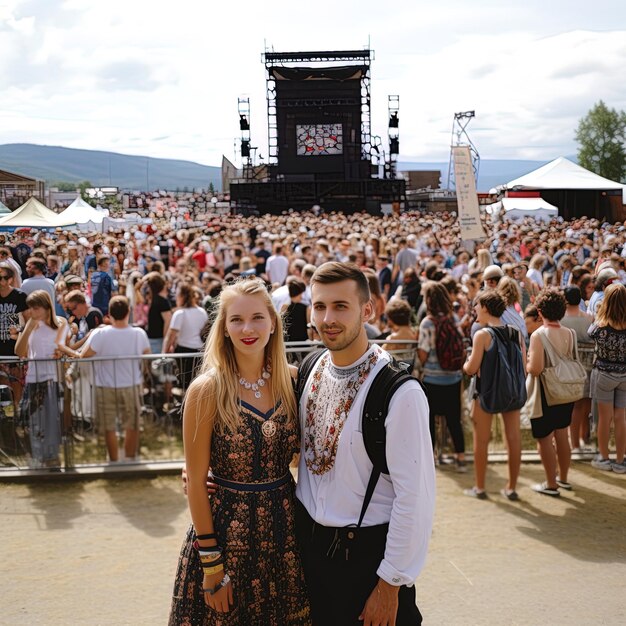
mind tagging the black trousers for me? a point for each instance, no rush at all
(340, 571)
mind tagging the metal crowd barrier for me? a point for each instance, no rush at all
(53, 422)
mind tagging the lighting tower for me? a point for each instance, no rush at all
(461, 138)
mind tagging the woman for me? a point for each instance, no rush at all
(489, 309)
(511, 293)
(551, 429)
(579, 322)
(410, 289)
(41, 405)
(159, 311)
(443, 387)
(608, 376)
(239, 563)
(184, 334)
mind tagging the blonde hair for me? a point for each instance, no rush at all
(41, 299)
(612, 310)
(219, 365)
(509, 290)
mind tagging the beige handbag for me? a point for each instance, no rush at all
(532, 408)
(563, 378)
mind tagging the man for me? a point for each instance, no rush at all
(118, 378)
(277, 266)
(102, 286)
(36, 270)
(405, 258)
(367, 576)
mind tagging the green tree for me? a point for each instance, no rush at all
(602, 138)
(63, 185)
(82, 188)
(211, 189)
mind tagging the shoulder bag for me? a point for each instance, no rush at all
(563, 378)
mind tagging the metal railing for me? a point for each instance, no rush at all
(49, 414)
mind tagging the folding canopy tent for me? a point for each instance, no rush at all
(518, 208)
(83, 215)
(33, 214)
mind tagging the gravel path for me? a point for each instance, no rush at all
(104, 552)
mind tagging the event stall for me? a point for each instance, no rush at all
(33, 214)
(86, 217)
(519, 208)
(576, 191)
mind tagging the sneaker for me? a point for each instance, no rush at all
(619, 468)
(545, 490)
(563, 485)
(602, 464)
(510, 494)
(461, 467)
(474, 492)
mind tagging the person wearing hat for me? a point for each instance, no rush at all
(605, 277)
(491, 276)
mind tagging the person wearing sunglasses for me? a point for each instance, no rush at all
(13, 309)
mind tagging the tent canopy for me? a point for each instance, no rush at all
(562, 174)
(518, 208)
(33, 214)
(83, 214)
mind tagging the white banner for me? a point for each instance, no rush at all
(466, 196)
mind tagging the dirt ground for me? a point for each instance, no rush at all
(105, 552)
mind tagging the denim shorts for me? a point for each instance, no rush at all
(608, 387)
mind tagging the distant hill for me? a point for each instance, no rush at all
(492, 172)
(54, 164)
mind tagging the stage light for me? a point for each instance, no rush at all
(244, 124)
(245, 148)
(394, 145)
(394, 120)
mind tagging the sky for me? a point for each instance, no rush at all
(162, 78)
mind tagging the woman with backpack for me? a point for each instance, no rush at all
(497, 358)
(441, 351)
(551, 428)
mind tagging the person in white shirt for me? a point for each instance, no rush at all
(183, 335)
(277, 266)
(368, 576)
(118, 378)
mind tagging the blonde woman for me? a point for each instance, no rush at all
(41, 405)
(239, 563)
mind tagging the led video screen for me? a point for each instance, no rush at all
(319, 139)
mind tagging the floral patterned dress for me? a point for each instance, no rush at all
(256, 530)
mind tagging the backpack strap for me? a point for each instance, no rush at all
(392, 376)
(305, 369)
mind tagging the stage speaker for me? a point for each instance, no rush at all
(245, 148)
(394, 145)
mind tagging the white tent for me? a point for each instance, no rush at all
(83, 215)
(519, 208)
(33, 214)
(560, 174)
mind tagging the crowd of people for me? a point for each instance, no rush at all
(422, 277)
(534, 318)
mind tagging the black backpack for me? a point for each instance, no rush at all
(375, 410)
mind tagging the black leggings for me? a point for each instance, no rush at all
(446, 400)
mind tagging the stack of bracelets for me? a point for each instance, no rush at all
(212, 561)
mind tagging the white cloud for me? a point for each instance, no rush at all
(163, 78)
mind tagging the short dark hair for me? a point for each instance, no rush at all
(551, 304)
(102, 260)
(335, 272)
(572, 295)
(76, 296)
(119, 307)
(492, 301)
(296, 287)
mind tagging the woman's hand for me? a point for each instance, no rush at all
(222, 600)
